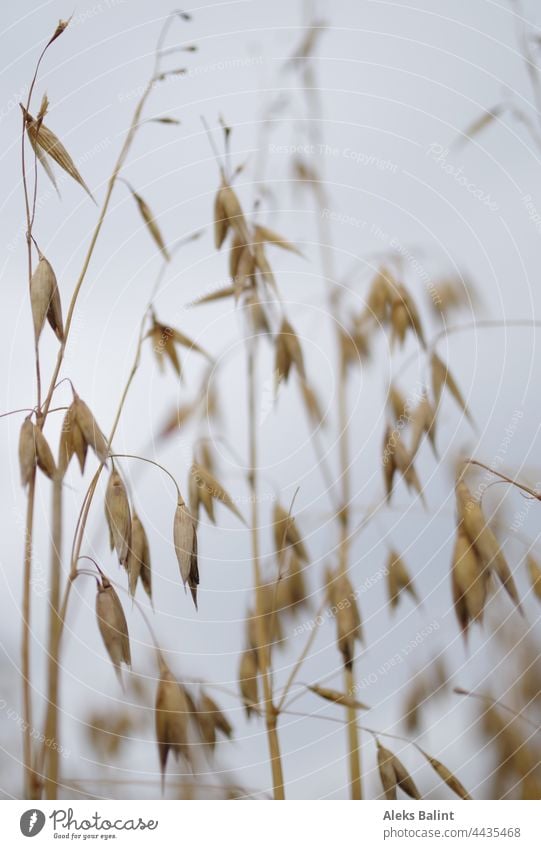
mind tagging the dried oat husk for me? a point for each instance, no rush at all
(469, 581)
(138, 565)
(286, 535)
(442, 377)
(353, 348)
(45, 144)
(534, 571)
(72, 442)
(448, 777)
(228, 213)
(292, 593)
(343, 601)
(27, 451)
(398, 579)
(177, 419)
(337, 697)
(150, 221)
(397, 402)
(483, 539)
(380, 296)
(248, 683)
(393, 774)
(117, 513)
(208, 491)
(257, 315)
(423, 421)
(89, 429)
(44, 456)
(288, 352)
(264, 234)
(404, 316)
(163, 345)
(388, 462)
(45, 299)
(245, 268)
(185, 541)
(172, 718)
(113, 626)
(211, 719)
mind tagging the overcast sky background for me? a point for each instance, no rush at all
(398, 81)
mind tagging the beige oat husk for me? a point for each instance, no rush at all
(45, 299)
(337, 697)
(117, 513)
(172, 713)
(185, 542)
(113, 626)
(248, 683)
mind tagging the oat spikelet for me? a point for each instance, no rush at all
(72, 442)
(185, 541)
(89, 429)
(483, 539)
(44, 456)
(171, 717)
(447, 776)
(337, 697)
(248, 683)
(113, 626)
(264, 234)
(423, 421)
(138, 565)
(288, 352)
(47, 144)
(45, 299)
(286, 535)
(343, 602)
(117, 512)
(394, 774)
(404, 316)
(442, 377)
(211, 719)
(469, 582)
(209, 487)
(27, 451)
(150, 221)
(398, 579)
(380, 296)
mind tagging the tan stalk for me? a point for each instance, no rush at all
(270, 711)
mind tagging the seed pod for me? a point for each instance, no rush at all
(264, 234)
(72, 442)
(535, 576)
(171, 716)
(469, 582)
(248, 683)
(227, 207)
(45, 299)
(337, 697)
(447, 776)
(397, 402)
(44, 454)
(388, 462)
(404, 464)
(139, 558)
(27, 451)
(398, 579)
(312, 404)
(185, 541)
(483, 539)
(113, 626)
(117, 512)
(88, 426)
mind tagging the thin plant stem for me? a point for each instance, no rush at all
(263, 652)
